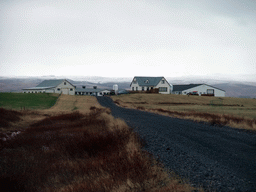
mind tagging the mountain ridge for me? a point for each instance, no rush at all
(233, 88)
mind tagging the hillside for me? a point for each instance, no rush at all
(238, 90)
(232, 88)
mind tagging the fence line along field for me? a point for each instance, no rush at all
(234, 112)
(76, 145)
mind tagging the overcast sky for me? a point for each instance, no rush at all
(125, 38)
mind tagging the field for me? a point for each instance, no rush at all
(76, 145)
(27, 101)
(234, 112)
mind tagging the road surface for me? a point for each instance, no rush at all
(216, 158)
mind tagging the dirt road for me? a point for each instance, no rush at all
(217, 158)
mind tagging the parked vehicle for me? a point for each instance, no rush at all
(193, 93)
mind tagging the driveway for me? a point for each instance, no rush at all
(216, 158)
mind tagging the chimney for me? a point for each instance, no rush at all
(94, 87)
(84, 87)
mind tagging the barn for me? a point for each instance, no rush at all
(60, 86)
(198, 89)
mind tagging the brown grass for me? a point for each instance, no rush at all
(234, 112)
(80, 151)
(8, 117)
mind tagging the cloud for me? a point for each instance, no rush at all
(132, 37)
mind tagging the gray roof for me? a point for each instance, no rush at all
(51, 83)
(89, 90)
(148, 81)
(36, 88)
(185, 87)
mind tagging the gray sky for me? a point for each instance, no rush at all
(124, 38)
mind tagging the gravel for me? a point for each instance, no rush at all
(215, 158)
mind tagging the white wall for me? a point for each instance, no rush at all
(160, 84)
(202, 89)
(66, 89)
(164, 84)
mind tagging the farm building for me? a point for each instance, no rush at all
(92, 91)
(148, 83)
(61, 86)
(198, 89)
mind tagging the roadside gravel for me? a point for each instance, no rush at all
(215, 158)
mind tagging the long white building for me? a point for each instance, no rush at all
(60, 86)
(200, 89)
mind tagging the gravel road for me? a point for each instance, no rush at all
(216, 158)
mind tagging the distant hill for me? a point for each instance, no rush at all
(238, 90)
(232, 88)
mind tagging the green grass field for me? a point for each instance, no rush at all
(27, 101)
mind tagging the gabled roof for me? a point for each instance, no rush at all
(51, 83)
(184, 87)
(148, 81)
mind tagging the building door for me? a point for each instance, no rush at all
(210, 91)
(65, 91)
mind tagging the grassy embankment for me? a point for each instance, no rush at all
(27, 101)
(76, 146)
(234, 112)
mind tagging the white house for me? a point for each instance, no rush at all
(148, 83)
(200, 89)
(61, 86)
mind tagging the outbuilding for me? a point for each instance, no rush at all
(60, 86)
(92, 91)
(198, 89)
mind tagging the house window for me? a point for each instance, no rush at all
(163, 81)
(71, 89)
(147, 88)
(133, 88)
(162, 89)
(142, 88)
(136, 88)
(147, 81)
(58, 89)
(65, 83)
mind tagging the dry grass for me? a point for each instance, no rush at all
(67, 103)
(71, 150)
(234, 112)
